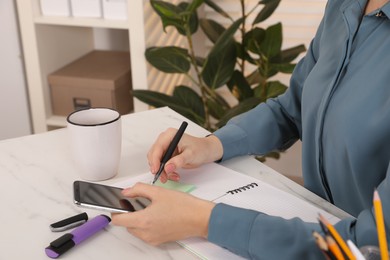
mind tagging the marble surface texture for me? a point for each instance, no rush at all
(36, 174)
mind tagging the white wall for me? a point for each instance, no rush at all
(14, 113)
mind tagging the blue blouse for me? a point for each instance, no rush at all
(338, 104)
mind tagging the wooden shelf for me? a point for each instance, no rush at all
(82, 22)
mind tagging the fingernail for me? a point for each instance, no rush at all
(152, 169)
(175, 178)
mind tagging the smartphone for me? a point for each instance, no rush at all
(106, 198)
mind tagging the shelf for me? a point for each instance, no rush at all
(50, 43)
(82, 22)
(56, 121)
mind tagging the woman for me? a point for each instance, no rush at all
(338, 104)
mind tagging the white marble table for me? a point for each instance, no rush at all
(36, 175)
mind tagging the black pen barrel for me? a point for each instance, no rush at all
(175, 141)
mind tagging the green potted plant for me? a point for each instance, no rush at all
(244, 58)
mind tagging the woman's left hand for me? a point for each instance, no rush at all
(171, 216)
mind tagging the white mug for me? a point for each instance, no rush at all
(95, 140)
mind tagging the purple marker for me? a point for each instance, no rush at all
(69, 240)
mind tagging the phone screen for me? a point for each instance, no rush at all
(105, 197)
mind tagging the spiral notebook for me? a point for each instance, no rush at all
(219, 184)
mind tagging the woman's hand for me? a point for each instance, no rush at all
(190, 152)
(171, 216)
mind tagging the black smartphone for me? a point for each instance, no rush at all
(106, 198)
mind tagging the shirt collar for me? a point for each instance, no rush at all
(359, 5)
(386, 10)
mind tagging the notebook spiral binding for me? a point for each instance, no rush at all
(243, 188)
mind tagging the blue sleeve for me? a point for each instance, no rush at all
(256, 235)
(273, 125)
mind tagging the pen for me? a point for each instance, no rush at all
(69, 240)
(170, 150)
(380, 226)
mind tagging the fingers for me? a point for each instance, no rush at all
(154, 157)
(141, 190)
(182, 160)
(190, 152)
(173, 176)
(170, 209)
(124, 219)
(158, 149)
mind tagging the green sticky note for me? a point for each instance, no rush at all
(173, 185)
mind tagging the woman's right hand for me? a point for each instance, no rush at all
(191, 152)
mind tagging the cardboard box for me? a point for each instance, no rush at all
(86, 8)
(55, 7)
(98, 79)
(115, 9)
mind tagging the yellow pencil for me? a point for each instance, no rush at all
(380, 226)
(334, 248)
(337, 237)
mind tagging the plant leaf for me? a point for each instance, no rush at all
(242, 54)
(200, 61)
(268, 9)
(255, 78)
(221, 60)
(239, 86)
(215, 109)
(165, 9)
(220, 66)
(284, 68)
(169, 59)
(275, 88)
(189, 98)
(221, 101)
(212, 29)
(157, 99)
(189, 17)
(227, 35)
(272, 43)
(269, 90)
(169, 14)
(253, 40)
(153, 98)
(242, 107)
(288, 55)
(216, 8)
(194, 5)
